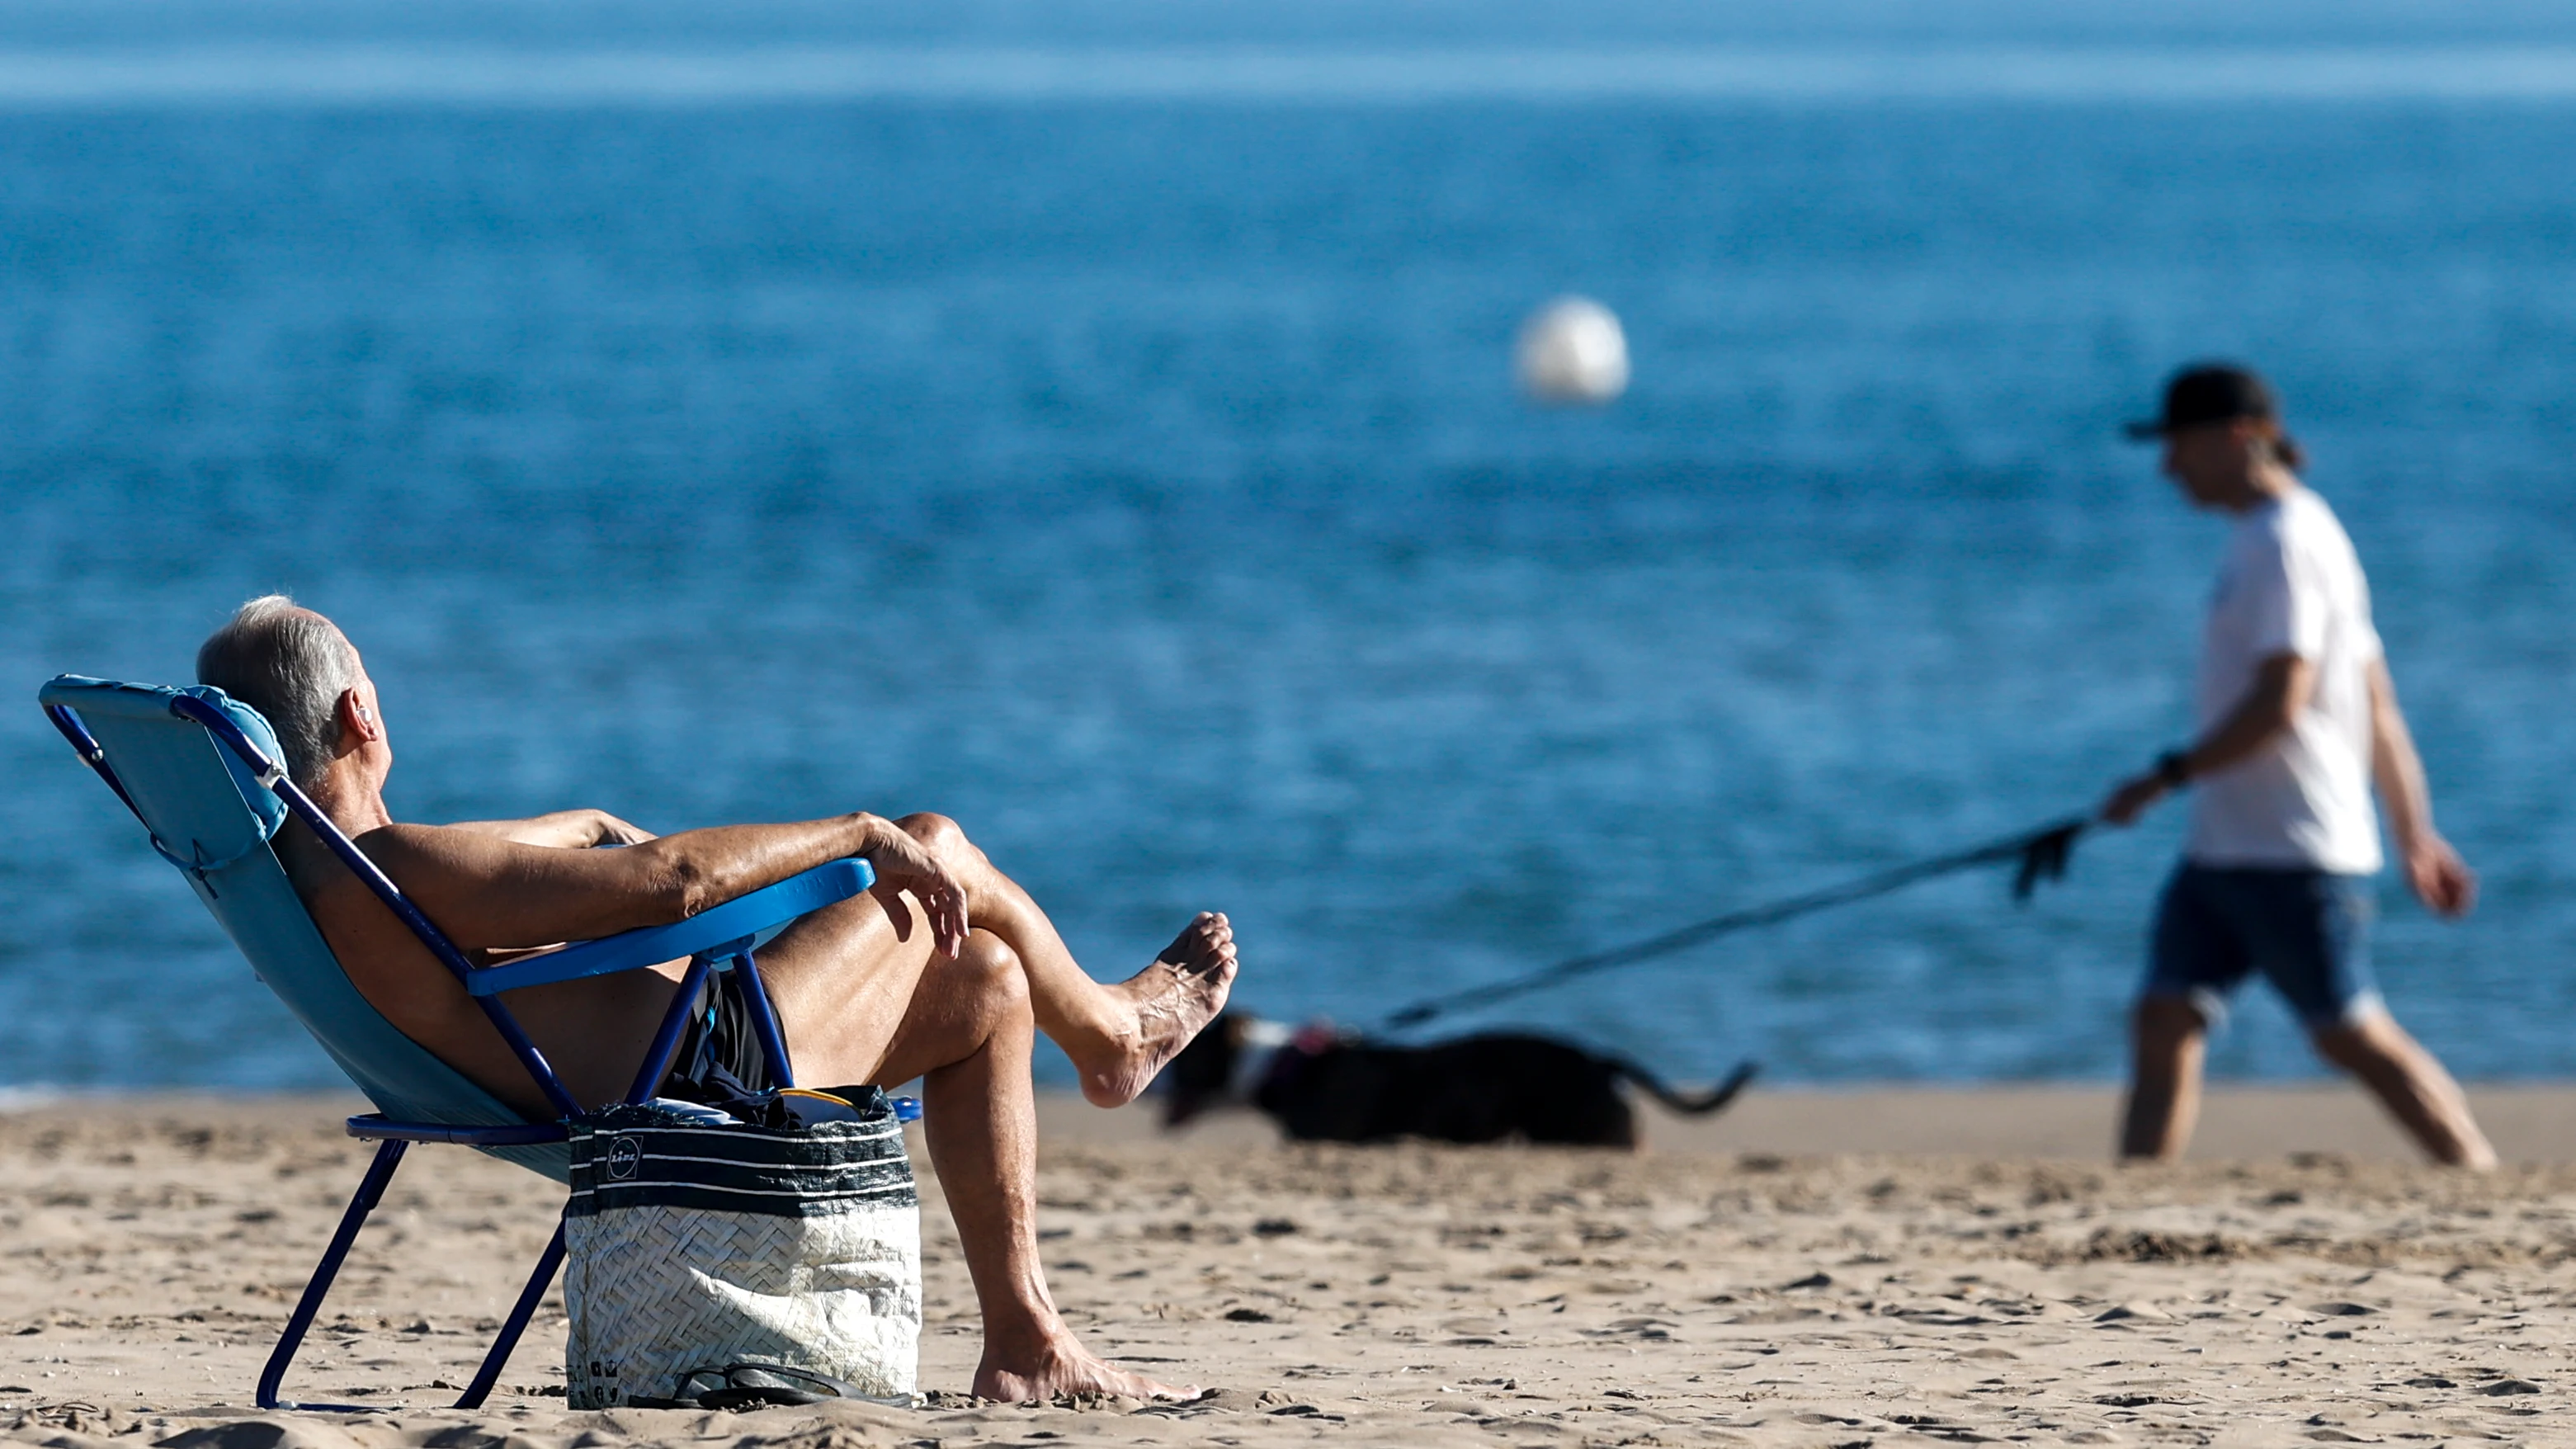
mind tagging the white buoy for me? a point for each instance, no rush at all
(1572, 351)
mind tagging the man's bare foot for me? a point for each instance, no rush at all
(1066, 1368)
(1155, 1012)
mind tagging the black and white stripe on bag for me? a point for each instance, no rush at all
(693, 1248)
(741, 1169)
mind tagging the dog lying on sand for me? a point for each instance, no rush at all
(1320, 1086)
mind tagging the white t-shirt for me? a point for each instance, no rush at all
(2291, 584)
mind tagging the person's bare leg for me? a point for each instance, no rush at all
(863, 996)
(1119, 1036)
(968, 1040)
(2169, 1040)
(2411, 1084)
(845, 980)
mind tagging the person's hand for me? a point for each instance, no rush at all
(2441, 880)
(904, 865)
(2132, 798)
(613, 831)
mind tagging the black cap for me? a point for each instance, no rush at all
(2209, 392)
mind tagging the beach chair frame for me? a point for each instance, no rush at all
(720, 938)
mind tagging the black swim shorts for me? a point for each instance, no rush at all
(719, 1057)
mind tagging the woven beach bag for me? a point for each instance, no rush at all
(697, 1249)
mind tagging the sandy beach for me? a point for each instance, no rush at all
(1814, 1269)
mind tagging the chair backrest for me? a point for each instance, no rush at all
(210, 816)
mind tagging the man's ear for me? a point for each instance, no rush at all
(357, 722)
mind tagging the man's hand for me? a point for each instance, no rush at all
(613, 831)
(904, 864)
(2132, 798)
(2441, 880)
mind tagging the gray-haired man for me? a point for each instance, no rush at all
(941, 972)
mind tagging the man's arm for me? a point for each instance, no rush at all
(2280, 690)
(2441, 880)
(489, 891)
(561, 830)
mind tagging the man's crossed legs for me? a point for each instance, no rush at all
(864, 996)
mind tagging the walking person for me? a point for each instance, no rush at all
(2297, 718)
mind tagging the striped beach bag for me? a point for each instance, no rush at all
(729, 1263)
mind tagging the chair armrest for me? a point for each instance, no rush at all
(737, 920)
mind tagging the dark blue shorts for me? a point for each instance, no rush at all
(2306, 930)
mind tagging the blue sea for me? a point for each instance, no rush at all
(1096, 423)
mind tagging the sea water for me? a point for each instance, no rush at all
(1099, 428)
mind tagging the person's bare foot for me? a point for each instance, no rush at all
(1156, 1012)
(1066, 1367)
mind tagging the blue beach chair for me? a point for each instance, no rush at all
(201, 771)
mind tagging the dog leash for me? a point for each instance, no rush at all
(2043, 855)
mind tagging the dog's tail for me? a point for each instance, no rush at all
(1692, 1104)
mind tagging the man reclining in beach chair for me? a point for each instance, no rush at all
(941, 971)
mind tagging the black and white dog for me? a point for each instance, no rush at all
(1320, 1086)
